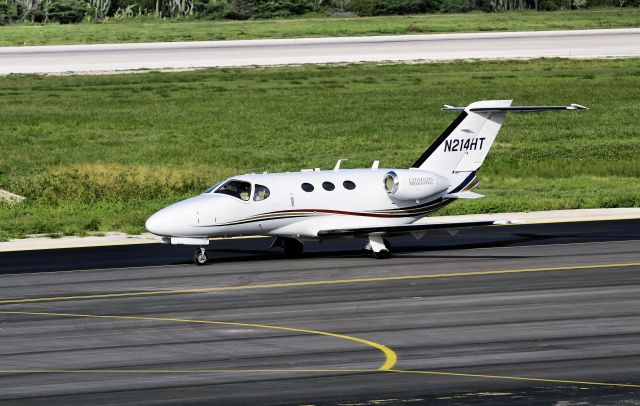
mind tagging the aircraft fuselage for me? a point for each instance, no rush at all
(335, 199)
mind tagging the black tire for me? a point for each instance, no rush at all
(382, 254)
(200, 257)
(292, 247)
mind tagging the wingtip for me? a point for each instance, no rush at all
(447, 107)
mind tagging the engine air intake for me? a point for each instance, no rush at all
(414, 184)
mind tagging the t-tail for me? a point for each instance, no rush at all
(462, 148)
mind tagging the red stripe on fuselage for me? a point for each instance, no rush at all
(348, 213)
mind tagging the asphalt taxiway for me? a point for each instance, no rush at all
(598, 43)
(543, 313)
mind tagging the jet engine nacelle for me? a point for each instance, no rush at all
(414, 184)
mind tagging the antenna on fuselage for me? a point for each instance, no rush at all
(338, 164)
(375, 164)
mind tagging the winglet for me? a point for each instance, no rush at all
(575, 106)
(452, 108)
(467, 194)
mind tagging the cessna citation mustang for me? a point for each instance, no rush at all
(368, 203)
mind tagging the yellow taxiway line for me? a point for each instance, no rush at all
(516, 378)
(390, 357)
(316, 283)
(311, 371)
(386, 367)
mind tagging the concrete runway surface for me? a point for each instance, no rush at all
(531, 314)
(435, 47)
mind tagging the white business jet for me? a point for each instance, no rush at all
(368, 203)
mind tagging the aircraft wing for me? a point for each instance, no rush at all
(402, 229)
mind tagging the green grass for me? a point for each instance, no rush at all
(98, 153)
(146, 30)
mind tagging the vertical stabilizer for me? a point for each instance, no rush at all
(466, 142)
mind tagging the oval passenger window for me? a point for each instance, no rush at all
(328, 186)
(348, 185)
(307, 187)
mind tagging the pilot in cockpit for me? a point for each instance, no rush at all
(261, 193)
(244, 190)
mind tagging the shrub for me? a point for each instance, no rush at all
(280, 8)
(240, 9)
(455, 6)
(363, 7)
(66, 11)
(389, 7)
(397, 7)
(489, 6)
(31, 11)
(548, 5)
(136, 6)
(212, 9)
(244, 9)
(8, 13)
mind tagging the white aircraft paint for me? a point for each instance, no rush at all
(368, 202)
(434, 47)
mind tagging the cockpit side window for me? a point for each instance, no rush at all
(261, 193)
(236, 188)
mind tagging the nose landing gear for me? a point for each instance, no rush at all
(200, 256)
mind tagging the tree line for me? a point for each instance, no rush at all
(73, 11)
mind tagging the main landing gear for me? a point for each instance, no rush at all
(292, 248)
(200, 256)
(380, 247)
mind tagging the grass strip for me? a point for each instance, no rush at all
(149, 30)
(98, 153)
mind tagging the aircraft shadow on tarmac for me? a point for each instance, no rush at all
(238, 250)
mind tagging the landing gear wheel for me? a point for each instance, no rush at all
(200, 256)
(380, 247)
(382, 254)
(292, 248)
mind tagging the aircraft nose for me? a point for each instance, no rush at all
(177, 220)
(157, 224)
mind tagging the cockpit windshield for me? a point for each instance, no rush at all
(212, 188)
(236, 188)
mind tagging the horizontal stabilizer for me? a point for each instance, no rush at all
(402, 229)
(515, 109)
(467, 194)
